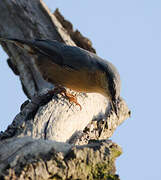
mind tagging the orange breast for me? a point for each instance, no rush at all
(81, 81)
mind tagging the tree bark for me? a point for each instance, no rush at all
(42, 141)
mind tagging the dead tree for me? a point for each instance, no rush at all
(53, 139)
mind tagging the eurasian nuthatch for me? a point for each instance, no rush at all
(74, 68)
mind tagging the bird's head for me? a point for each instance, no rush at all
(112, 87)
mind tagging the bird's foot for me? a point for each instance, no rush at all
(73, 99)
(45, 98)
(63, 92)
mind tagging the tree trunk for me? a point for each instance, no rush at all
(54, 139)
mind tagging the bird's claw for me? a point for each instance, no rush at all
(64, 93)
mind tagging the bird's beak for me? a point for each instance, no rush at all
(114, 104)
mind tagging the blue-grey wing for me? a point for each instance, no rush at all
(49, 48)
(78, 58)
(68, 56)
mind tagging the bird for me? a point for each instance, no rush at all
(74, 68)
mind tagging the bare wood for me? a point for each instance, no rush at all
(55, 160)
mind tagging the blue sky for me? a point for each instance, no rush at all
(127, 33)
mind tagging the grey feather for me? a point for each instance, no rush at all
(70, 56)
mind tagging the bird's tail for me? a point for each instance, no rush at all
(12, 40)
(24, 44)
